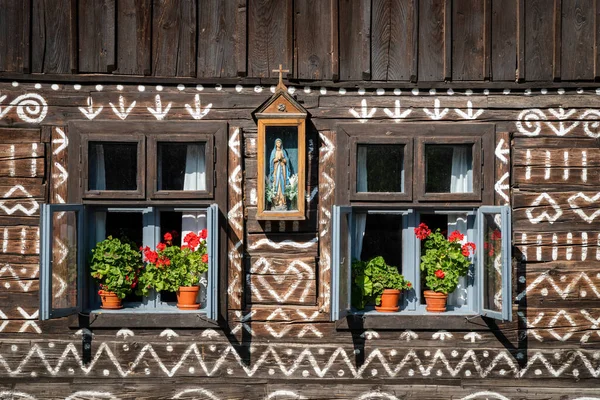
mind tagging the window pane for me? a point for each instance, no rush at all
(179, 224)
(492, 262)
(449, 168)
(379, 235)
(380, 168)
(181, 166)
(64, 260)
(112, 166)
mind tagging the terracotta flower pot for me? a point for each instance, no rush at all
(389, 301)
(110, 301)
(186, 297)
(436, 302)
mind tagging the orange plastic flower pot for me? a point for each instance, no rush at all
(436, 302)
(186, 298)
(110, 301)
(389, 301)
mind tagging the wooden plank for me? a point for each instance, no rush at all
(15, 20)
(59, 164)
(174, 38)
(96, 26)
(327, 165)
(539, 39)
(221, 38)
(597, 40)
(21, 239)
(270, 37)
(22, 168)
(19, 135)
(255, 226)
(556, 61)
(431, 52)
(316, 41)
(468, 28)
(134, 37)
(272, 290)
(51, 41)
(235, 228)
(394, 40)
(504, 40)
(355, 35)
(521, 31)
(502, 169)
(577, 50)
(305, 244)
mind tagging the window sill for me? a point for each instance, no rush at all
(403, 321)
(144, 319)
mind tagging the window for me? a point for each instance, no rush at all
(398, 178)
(139, 183)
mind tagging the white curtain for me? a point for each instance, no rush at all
(100, 226)
(97, 168)
(462, 171)
(360, 220)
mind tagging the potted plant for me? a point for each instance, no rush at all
(177, 269)
(444, 262)
(377, 282)
(115, 265)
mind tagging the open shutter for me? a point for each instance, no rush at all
(341, 261)
(494, 262)
(212, 245)
(62, 260)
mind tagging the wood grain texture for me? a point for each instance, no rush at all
(578, 25)
(394, 40)
(174, 35)
(539, 40)
(51, 40)
(432, 40)
(270, 37)
(96, 40)
(316, 40)
(134, 47)
(504, 40)
(236, 223)
(15, 20)
(221, 38)
(468, 25)
(355, 35)
(327, 165)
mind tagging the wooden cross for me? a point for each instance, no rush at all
(281, 71)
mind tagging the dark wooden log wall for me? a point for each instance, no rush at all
(322, 40)
(278, 342)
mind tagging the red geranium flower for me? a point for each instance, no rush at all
(456, 236)
(422, 231)
(167, 262)
(465, 249)
(496, 235)
(408, 284)
(189, 237)
(168, 237)
(161, 246)
(440, 274)
(203, 234)
(205, 258)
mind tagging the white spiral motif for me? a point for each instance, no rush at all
(31, 107)
(591, 127)
(529, 121)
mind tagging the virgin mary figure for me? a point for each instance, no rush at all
(279, 173)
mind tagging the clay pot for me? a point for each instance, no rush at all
(186, 297)
(389, 301)
(436, 302)
(110, 301)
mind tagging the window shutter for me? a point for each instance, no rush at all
(212, 245)
(341, 261)
(62, 260)
(494, 262)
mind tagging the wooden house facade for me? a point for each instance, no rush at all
(515, 82)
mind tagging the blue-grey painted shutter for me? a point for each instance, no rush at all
(212, 243)
(494, 271)
(62, 260)
(341, 261)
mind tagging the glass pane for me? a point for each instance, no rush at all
(449, 168)
(448, 223)
(64, 260)
(181, 166)
(492, 262)
(379, 235)
(112, 166)
(179, 224)
(281, 168)
(380, 168)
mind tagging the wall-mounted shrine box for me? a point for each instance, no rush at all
(281, 157)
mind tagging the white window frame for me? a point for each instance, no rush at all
(341, 263)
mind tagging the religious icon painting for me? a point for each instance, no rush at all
(281, 158)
